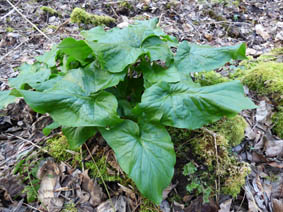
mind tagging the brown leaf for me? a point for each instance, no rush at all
(49, 174)
(88, 185)
(225, 206)
(120, 205)
(11, 187)
(277, 205)
(272, 147)
(197, 206)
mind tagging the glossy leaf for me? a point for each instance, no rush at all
(76, 136)
(77, 49)
(93, 79)
(71, 104)
(47, 130)
(156, 73)
(195, 58)
(49, 57)
(117, 48)
(145, 152)
(6, 98)
(31, 75)
(183, 106)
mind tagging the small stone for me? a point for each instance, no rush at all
(52, 19)
(279, 24)
(260, 30)
(20, 123)
(279, 36)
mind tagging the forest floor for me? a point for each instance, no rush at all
(23, 147)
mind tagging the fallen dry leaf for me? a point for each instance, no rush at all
(260, 30)
(277, 205)
(49, 174)
(11, 187)
(116, 204)
(225, 206)
(94, 190)
(272, 147)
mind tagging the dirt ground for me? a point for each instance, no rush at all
(258, 23)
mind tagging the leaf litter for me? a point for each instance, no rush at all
(194, 22)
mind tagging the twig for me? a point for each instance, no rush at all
(100, 175)
(29, 21)
(61, 25)
(159, 21)
(32, 207)
(81, 153)
(9, 13)
(8, 53)
(114, 12)
(23, 139)
(217, 184)
(230, 22)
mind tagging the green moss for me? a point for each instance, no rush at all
(57, 147)
(9, 29)
(26, 170)
(49, 10)
(203, 145)
(266, 79)
(277, 119)
(209, 78)
(221, 165)
(104, 168)
(236, 178)
(233, 129)
(70, 207)
(179, 135)
(172, 4)
(125, 5)
(81, 16)
(148, 206)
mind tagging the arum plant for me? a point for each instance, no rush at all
(128, 85)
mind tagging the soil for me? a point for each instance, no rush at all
(258, 23)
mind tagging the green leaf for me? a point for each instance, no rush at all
(118, 48)
(93, 79)
(194, 58)
(47, 130)
(76, 136)
(77, 49)
(31, 75)
(49, 57)
(43, 86)
(145, 152)
(189, 168)
(158, 50)
(6, 98)
(71, 104)
(192, 186)
(156, 73)
(183, 106)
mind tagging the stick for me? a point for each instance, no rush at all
(8, 53)
(29, 21)
(23, 139)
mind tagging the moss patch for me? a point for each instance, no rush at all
(233, 129)
(70, 207)
(105, 170)
(209, 78)
(49, 10)
(213, 151)
(277, 119)
(81, 16)
(58, 148)
(266, 79)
